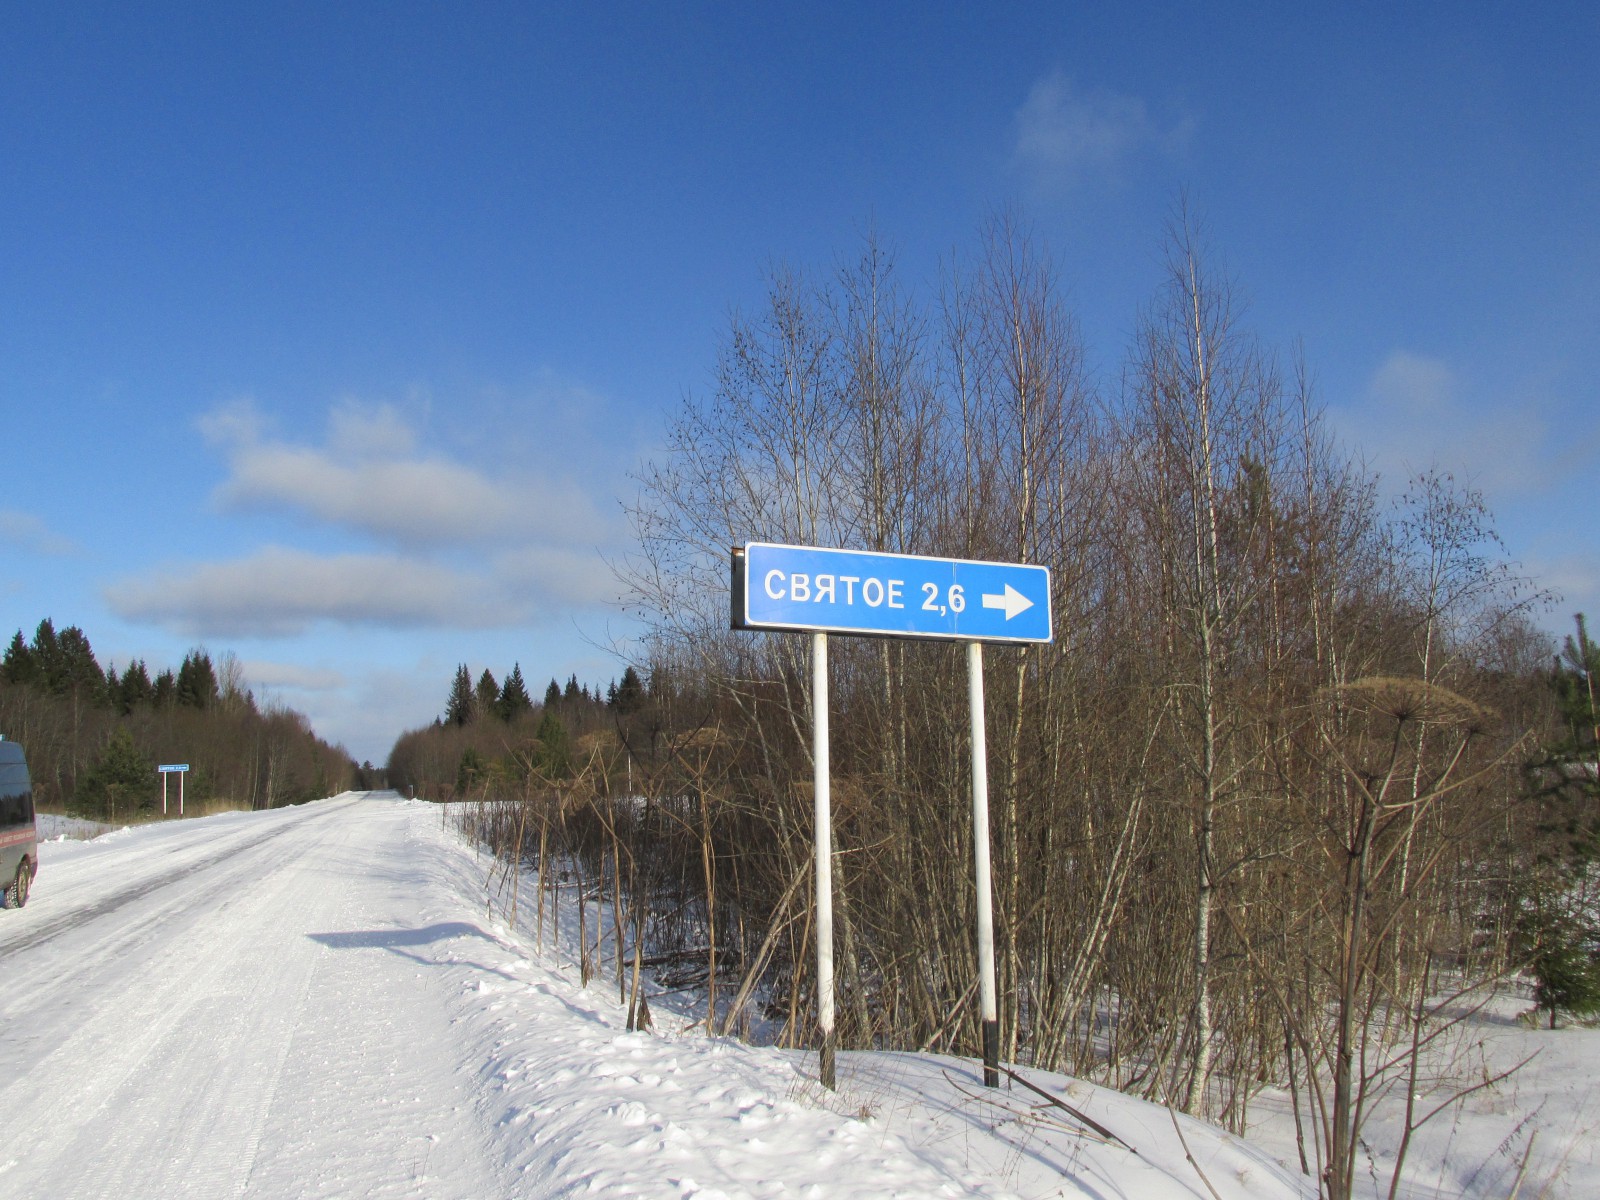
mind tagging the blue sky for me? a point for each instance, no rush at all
(329, 334)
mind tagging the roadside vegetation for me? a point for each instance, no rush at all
(1298, 785)
(94, 736)
(493, 740)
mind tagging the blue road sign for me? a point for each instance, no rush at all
(169, 768)
(889, 595)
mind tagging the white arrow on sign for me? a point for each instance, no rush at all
(1011, 600)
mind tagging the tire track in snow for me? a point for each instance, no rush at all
(246, 1165)
(265, 1042)
(232, 1076)
(78, 963)
(139, 891)
(167, 992)
(365, 1106)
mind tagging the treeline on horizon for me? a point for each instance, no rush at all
(94, 736)
(493, 741)
(1298, 764)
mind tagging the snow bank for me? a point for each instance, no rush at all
(588, 1107)
(54, 827)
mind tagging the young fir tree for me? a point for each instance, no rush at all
(469, 771)
(514, 698)
(555, 749)
(458, 705)
(120, 780)
(1565, 964)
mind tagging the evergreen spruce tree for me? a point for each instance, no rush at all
(77, 671)
(630, 693)
(120, 780)
(19, 667)
(197, 681)
(514, 698)
(46, 655)
(552, 694)
(555, 750)
(1565, 779)
(165, 690)
(469, 771)
(1566, 775)
(1566, 963)
(458, 706)
(571, 694)
(135, 688)
(112, 690)
(488, 694)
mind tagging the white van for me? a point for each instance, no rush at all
(19, 839)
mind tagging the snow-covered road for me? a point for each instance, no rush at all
(315, 1002)
(234, 1006)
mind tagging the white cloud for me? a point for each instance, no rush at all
(279, 592)
(378, 433)
(377, 706)
(575, 576)
(1413, 417)
(408, 502)
(368, 477)
(1066, 136)
(292, 676)
(463, 547)
(238, 422)
(27, 532)
(282, 592)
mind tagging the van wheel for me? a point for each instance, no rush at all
(17, 894)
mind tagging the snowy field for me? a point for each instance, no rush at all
(317, 1002)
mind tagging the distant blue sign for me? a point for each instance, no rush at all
(889, 595)
(169, 768)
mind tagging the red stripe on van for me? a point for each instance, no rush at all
(16, 839)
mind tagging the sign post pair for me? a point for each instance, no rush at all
(178, 769)
(822, 591)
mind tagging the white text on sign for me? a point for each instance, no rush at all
(843, 589)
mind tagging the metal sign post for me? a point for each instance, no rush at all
(822, 808)
(989, 1009)
(807, 588)
(180, 770)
